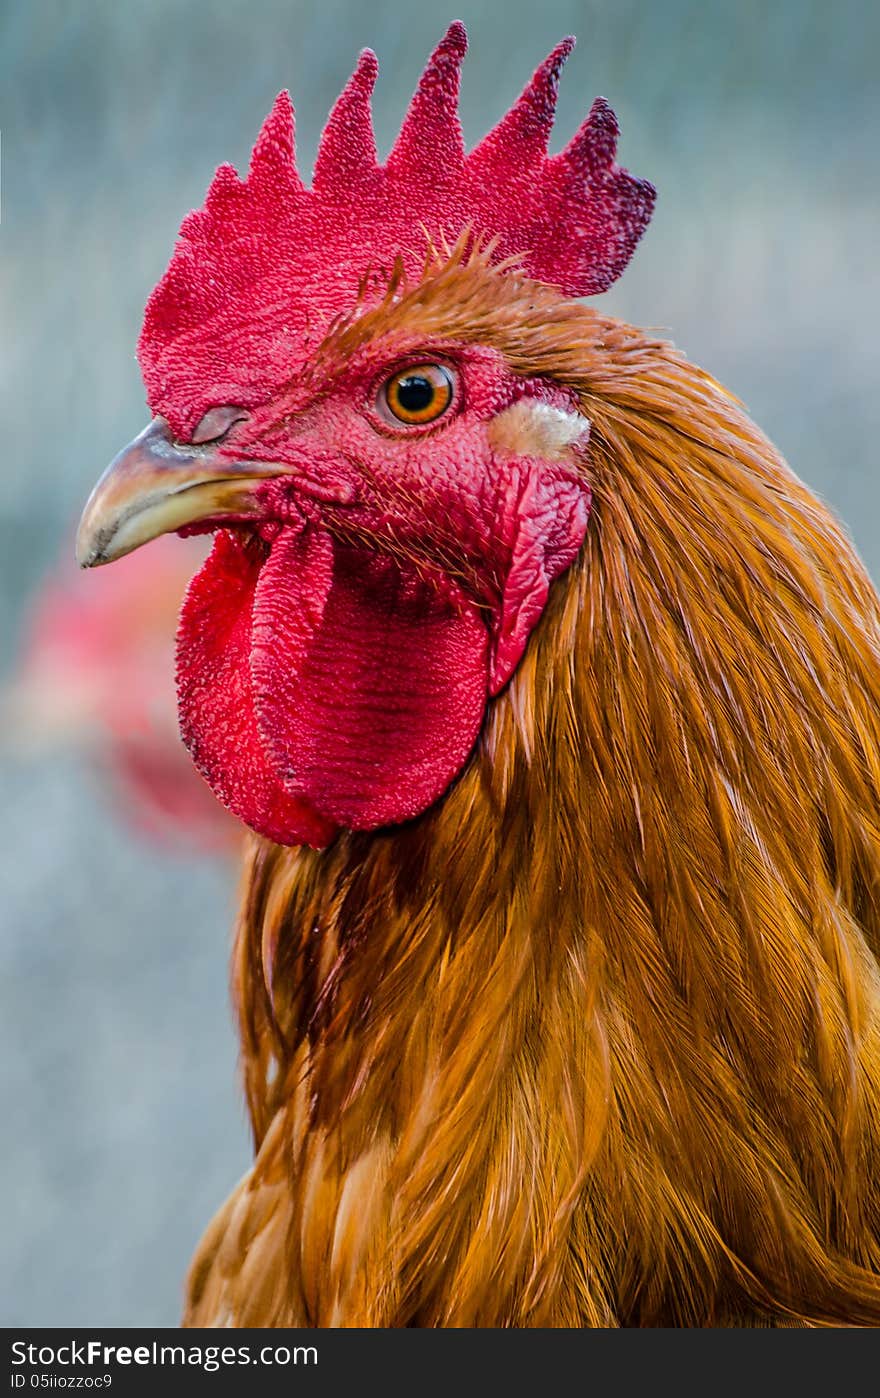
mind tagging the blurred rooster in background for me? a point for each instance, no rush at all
(569, 1015)
(96, 671)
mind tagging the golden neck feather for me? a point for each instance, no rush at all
(604, 1021)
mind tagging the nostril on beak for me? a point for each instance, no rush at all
(216, 424)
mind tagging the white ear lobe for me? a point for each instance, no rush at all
(531, 428)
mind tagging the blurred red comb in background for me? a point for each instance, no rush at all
(97, 670)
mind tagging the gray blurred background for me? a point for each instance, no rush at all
(760, 125)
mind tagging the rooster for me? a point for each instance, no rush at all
(96, 672)
(553, 700)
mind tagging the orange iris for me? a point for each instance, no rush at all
(418, 394)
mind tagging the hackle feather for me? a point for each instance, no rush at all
(596, 1040)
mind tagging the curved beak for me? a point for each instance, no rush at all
(155, 486)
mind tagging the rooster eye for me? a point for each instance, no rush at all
(417, 395)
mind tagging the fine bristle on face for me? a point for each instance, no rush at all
(263, 269)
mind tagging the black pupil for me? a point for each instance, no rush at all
(415, 393)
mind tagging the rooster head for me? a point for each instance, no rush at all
(343, 391)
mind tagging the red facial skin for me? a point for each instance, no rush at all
(335, 660)
(336, 655)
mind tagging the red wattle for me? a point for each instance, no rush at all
(216, 700)
(369, 686)
(326, 686)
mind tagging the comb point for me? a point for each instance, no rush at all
(273, 159)
(430, 146)
(455, 41)
(594, 146)
(347, 149)
(523, 132)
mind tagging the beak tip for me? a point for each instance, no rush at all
(89, 551)
(91, 560)
(85, 554)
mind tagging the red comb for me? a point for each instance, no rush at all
(260, 271)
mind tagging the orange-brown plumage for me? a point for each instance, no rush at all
(571, 1016)
(595, 1040)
